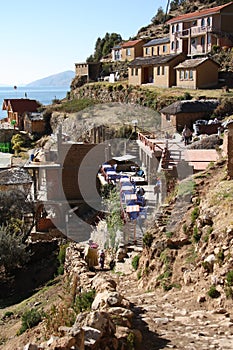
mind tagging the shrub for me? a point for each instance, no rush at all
(61, 258)
(135, 262)
(147, 240)
(194, 214)
(83, 301)
(229, 278)
(196, 234)
(30, 319)
(229, 292)
(213, 292)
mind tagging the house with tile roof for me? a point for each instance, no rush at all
(17, 107)
(191, 73)
(157, 47)
(157, 70)
(132, 49)
(196, 33)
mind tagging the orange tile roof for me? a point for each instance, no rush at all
(131, 43)
(198, 14)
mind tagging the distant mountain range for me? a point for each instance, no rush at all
(55, 80)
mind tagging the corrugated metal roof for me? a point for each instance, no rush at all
(198, 14)
(194, 62)
(190, 106)
(154, 60)
(157, 41)
(14, 176)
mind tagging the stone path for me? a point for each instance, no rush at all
(175, 320)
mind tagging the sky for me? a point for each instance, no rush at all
(44, 37)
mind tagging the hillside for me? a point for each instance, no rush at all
(56, 80)
(181, 293)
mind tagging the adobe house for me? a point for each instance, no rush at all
(17, 107)
(180, 113)
(34, 123)
(156, 70)
(197, 32)
(197, 73)
(89, 70)
(117, 53)
(64, 182)
(156, 47)
(132, 49)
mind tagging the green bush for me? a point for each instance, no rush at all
(229, 292)
(147, 240)
(61, 258)
(194, 214)
(196, 234)
(135, 262)
(30, 319)
(83, 301)
(213, 292)
(229, 278)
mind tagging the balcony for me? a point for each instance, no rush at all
(193, 31)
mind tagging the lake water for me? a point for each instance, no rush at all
(44, 95)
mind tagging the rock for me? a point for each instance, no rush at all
(100, 284)
(91, 335)
(121, 254)
(201, 299)
(30, 346)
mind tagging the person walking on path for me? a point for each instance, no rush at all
(187, 134)
(157, 189)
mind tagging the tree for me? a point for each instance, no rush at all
(13, 207)
(17, 143)
(159, 17)
(12, 251)
(104, 46)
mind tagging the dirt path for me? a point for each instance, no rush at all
(175, 320)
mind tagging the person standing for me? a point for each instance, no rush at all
(187, 134)
(157, 189)
(101, 259)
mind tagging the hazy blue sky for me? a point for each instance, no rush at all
(44, 37)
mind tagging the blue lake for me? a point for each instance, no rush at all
(44, 95)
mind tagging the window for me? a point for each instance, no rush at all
(202, 22)
(177, 27)
(177, 44)
(158, 70)
(181, 75)
(128, 53)
(147, 50)
(132, 71)
(152, 51)
(202, 41)
(191, 75)
(209, 38)
(164, 48)
(168, 117)
(186, 75)
(163, 70)
(208, 21)
(173, 29)
(136, 71)
(173, 45)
